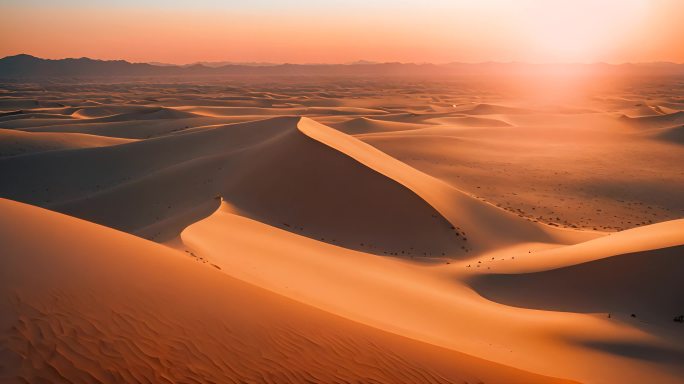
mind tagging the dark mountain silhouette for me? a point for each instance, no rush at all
(31, 66)
(27, 66)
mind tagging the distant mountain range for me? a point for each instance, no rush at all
(27, 66)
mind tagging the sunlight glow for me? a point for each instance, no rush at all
(336, 31)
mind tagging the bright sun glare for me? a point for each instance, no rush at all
(580, 30)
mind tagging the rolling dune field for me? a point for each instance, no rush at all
(344, 229)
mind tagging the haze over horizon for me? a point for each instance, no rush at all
(436, 31)
(361, 61)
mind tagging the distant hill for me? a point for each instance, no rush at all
(217, 64)
(31, 66)
(27, 66)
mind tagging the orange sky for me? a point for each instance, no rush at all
(342, 31)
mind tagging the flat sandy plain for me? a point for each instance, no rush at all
(348, 230)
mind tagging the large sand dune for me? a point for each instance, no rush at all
(434, 305)
(632, 272)
(90, 304)
(288, 172)
(13, 142)
(268, 169)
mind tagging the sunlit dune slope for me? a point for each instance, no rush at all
(88, 303)
(433, 303)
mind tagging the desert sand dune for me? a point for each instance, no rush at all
(487, 226)
(587, 179)
(494, 109)
(673, 135)
(20, 122)
(340, 208)
(647, 283)
(13, 142)
(656, 121)
(431, 303)
(20, 115)
(633, 277)
(418, 117)
(147, 113)
(286, 111)
(667, 234)
(468, 121)
(397, 222)
(364, 125)
(10, 104)
(100, 111)
(199, 102)
(178, 320)
(11, 113)
(642, 110)
(127, 129)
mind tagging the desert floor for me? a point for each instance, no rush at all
(342, 230)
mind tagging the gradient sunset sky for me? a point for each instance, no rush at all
(337, 31)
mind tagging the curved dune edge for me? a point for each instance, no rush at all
(655, 121)
(647, 238)
(488, 226)
(674, 135)
(363, 198)
(367, 125)
(432, 304)
(632, 277)
(91, 303)
(129, 112)
(13, 142)
(646, 283)
(633, 271)
(268, 168)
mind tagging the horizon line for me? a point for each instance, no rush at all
(354, 62)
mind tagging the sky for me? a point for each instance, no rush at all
(336, 31)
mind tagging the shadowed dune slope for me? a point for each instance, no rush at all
(656, 121)
(638, 271)
(267, 169)
(133, 129)
(289, 172)
(21, 115)
(673, 135)
(650, 237)
(494, 109)
(90, 304)
(485, 226)
(14, 142)
(125, 113)
(468, 121)
(361, 125)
